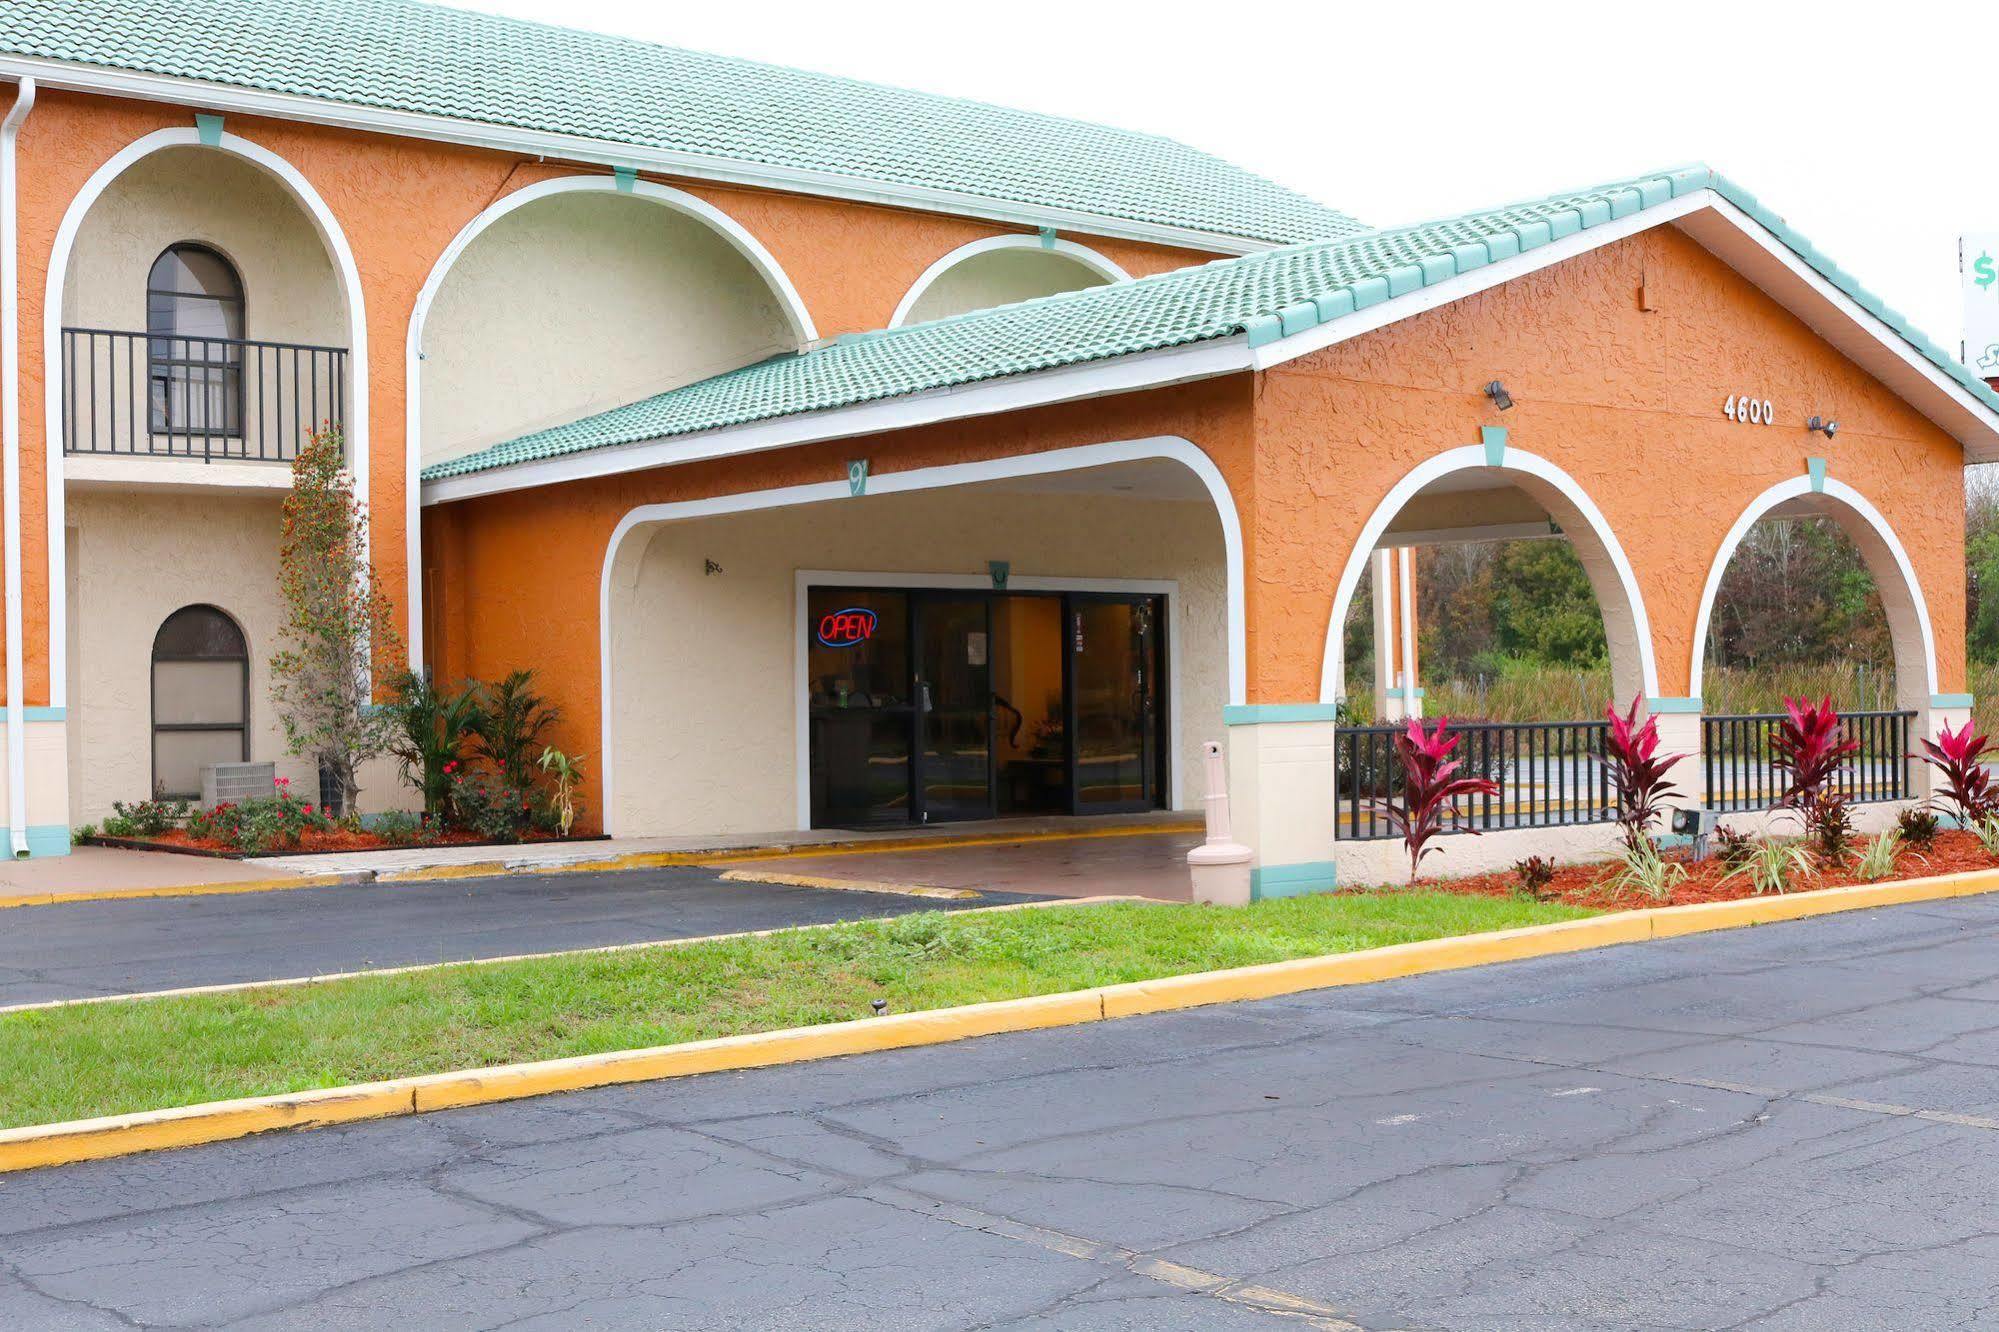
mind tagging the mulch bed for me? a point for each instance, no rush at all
(1587, 884)
(312, 842)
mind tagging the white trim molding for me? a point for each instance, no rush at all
(804, 580)
(344, 268)
(1874, 525)
(802, 328)
(1069, 249)
(1171, 447)
(1466, 458)
(225, 98)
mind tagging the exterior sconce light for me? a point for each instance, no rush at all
(1500, 397)
(1823, 426)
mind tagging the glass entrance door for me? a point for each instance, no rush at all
(954, 706)
(1114, 703)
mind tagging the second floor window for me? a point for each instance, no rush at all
(194, 327)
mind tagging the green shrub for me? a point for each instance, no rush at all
(1771, 864)
(510, 732)
(1918, 826)
(432, 730)
(145, 818)
(1645, 872)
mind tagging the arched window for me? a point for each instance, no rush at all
(201, 698)
(194, 323)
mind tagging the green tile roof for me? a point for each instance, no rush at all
(400, 55)
(1265, 296)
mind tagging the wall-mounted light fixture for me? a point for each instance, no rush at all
(1822, 426)
(1500, 397)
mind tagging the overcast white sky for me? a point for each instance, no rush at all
(1873, 127)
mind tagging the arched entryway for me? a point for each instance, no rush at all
(711, 609)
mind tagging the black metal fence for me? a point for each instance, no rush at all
(1735, 753)
(1549, 774)
(214, 399)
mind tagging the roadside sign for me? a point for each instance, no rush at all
(1978, 266)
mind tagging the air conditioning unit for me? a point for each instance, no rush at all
(233, 783)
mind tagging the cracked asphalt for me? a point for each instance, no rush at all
(81, 949)
(1790, 1127)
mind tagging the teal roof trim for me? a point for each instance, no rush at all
(412, 58)
(1262, 298)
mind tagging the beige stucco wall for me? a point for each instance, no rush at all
(1000, 277)
(705, 682)
(579, 302)
(290, 293)
(137, 558)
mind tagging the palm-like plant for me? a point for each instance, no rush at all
(1637, 773)
(511, 731)
(1967, 786)
(1809, 745)
(432, 728)
(1430, 788)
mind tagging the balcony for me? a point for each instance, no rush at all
(191, 400)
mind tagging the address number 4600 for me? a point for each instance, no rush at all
(1742, 407)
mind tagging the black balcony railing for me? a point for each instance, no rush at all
(1549, 774)
(216, 399)
(1735, 756)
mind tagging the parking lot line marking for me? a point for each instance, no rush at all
(1192, 1280)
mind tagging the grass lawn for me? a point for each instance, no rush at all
(102, 1059)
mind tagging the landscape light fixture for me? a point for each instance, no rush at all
(1823, 426)
(1500, 397)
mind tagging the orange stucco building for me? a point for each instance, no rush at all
(989, 466)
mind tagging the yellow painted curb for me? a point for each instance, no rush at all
(847, 885)
(93, 1139)
(177, 890)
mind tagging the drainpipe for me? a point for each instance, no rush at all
(10, 464)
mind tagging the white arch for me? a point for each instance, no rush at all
(1172, 447)
(679, 201)
(1082, 254)
(1463, 459)
(1891, 597)
(344, 268)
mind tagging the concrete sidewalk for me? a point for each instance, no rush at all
(92, 870)
(546, 856)
(96, 871)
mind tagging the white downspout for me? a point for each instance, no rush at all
(10, 464)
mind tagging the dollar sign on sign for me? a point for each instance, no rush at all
(1982, 271)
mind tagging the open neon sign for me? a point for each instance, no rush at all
(846, 628)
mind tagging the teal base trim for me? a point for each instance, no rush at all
(1251, 714)
(1405, 692)
(49, 839)
(1494, 439)
(1672, 705)
(1268, 881)
(1950, 700)
(209, 130)
(1815, 468)
(44, 714)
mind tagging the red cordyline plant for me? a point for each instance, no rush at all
(1637, 772)
(1967, 787)
(1430, 788)
(1810, 745)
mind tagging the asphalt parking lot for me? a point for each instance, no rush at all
(78, 949)
(1787, 1127)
